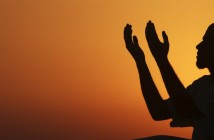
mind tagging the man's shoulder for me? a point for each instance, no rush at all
(199, 83)
(201, 79)
(204, 77)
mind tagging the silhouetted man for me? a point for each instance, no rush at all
(191, 106)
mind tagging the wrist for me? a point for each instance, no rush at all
(139, 59)
(163, 63)
(141, 62)
(162, 60)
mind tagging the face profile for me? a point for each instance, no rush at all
(205, 54)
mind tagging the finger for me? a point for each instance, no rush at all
(153, 31)
(128, 36)
(129, 25)
(135, 41)
(148, 31)
(128, 30)
(147, 26)
(151, 34)
(165, 38)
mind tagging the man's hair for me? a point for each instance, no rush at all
(210, 32)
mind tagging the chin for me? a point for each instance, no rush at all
(200, 66)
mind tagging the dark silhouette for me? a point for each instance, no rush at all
(192, 106)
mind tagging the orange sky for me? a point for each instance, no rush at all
(66, 75)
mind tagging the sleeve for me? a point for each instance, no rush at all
(177, 121)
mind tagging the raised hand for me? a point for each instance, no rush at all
(132, 44)
(158, 49)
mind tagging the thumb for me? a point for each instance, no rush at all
(165, 39)
(135, 40)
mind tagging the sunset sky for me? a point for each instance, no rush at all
(66, 74)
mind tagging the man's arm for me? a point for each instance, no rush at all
(181, 100)
(156, 105)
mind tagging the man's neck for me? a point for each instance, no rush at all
(211, 70)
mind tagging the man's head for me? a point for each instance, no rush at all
(205, 54)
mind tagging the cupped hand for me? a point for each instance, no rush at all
(132, 44)
(158, 49)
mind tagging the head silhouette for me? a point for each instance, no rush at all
(205, 54)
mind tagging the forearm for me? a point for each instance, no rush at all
(156, 105)
(176, 90)
(173, 84)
